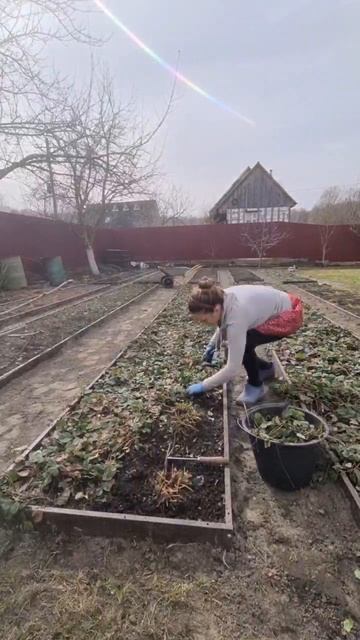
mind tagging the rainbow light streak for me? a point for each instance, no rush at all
(152, 54)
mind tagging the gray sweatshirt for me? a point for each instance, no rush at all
(245, 307)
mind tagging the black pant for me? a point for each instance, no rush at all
(252, 363)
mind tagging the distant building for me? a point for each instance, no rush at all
(132, 213)
(254, 197)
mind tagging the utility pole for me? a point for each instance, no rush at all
(51, 179)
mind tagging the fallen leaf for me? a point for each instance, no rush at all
(24, 473)
(348, 625)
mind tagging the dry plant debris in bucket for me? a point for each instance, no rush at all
(323, 363)
(291, 427)
(107, 452)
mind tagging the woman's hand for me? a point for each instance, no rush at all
(195, 389)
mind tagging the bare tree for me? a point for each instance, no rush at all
(263, 236)
(326, 232)
(300, 215)
(205, 214)
(25, 30)
(103, 155)
(326, 213)
(352, 202)
(174, 205)
(338, 206)
(335, 206)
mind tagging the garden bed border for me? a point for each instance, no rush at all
(97, 523)
(9, 320)
(71, 301)
(346, 484)
(51, 351)
(355, 316)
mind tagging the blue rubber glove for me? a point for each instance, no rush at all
(209, 354)
(195, 389)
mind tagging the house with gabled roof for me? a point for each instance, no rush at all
(254, 197)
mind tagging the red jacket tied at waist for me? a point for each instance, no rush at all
(285, 323)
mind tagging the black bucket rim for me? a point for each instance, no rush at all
(241, 422)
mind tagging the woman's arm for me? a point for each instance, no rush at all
(236, 337)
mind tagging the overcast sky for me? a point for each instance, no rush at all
(290, 65)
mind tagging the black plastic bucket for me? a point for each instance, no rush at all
(285, 466)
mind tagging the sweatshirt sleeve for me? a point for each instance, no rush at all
(236, 338)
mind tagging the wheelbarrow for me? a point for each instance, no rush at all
(167, 280)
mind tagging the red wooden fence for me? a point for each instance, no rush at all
(33, 238)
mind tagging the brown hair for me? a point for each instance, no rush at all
(206, 297)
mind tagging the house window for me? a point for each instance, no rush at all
(283, 214)
(263, 214)
(233, 216)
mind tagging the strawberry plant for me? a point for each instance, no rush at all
(108, 449)
(326, 379)
(289, 427)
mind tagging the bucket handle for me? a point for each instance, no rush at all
(242, 425)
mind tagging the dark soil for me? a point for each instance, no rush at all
(135, 494)
(133, 490)
(242, 276)
(209, 439)
(9, 299)
(41, 300)
(24, 342)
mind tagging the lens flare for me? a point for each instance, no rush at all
(155, 56)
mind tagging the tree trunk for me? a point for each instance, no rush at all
(92, 261)
(324, 250)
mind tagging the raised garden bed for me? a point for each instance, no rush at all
(345, 299)
(322, 362)
(244, 276)
(43, 303)
(102, 465)
(21, 343)
(205, 272)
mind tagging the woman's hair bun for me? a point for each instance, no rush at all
(206, 296)
(206, 284)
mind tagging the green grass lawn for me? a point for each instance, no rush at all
(348, 278)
